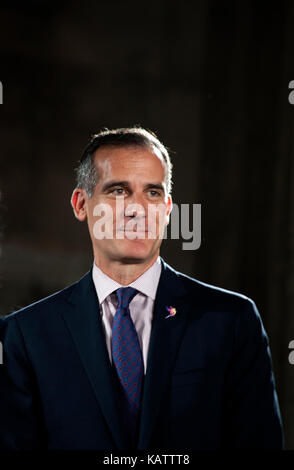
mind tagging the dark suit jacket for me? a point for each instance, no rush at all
(209, 382)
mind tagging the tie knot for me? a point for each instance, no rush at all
(125, 295)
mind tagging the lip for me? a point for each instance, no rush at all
(145, 234)
(132, 231)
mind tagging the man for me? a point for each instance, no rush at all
(135, 355)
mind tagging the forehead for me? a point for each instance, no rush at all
(129, 160)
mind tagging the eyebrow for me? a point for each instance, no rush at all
(112, 184)
(154, 186)
(125, 184)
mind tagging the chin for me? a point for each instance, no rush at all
(136, 251)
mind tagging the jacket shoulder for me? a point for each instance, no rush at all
(223, 305)
(45, 306)
(214, 297)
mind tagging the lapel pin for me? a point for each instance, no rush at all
(172, 311)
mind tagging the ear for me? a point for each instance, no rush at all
(169, 207)
(78, 202)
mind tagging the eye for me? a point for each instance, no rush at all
(154, 193)
(118, 191)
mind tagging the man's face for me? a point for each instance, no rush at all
(130, 206)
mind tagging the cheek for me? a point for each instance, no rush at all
(157, 213)
(101, 216)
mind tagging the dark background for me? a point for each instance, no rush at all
(211, 78)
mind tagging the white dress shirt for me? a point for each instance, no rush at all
(141, 307)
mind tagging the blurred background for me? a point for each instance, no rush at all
(211, 78)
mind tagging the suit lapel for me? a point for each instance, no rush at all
(166, 335)
(84, 323)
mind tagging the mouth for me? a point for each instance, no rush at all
(135, 231)
(141, 230)
(143, 234)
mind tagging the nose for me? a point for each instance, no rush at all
(135, 206)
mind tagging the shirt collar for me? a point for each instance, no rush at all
(146, 283)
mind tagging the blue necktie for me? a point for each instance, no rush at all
(127, 358)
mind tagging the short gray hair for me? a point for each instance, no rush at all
(87, 175)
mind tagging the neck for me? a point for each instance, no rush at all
(122, 272)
